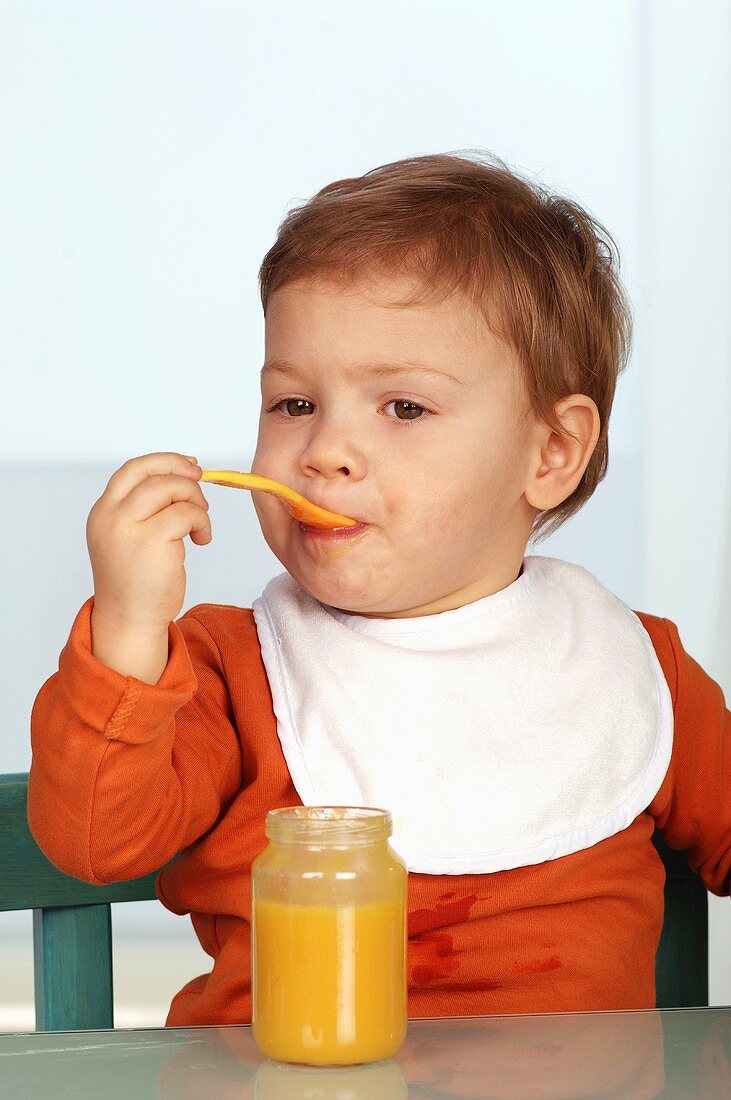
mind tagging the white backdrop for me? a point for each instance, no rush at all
(149, 153)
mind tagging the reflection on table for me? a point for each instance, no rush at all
(569, 1056)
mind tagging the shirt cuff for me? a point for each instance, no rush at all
(123, 708)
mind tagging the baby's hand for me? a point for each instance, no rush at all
(135, 537)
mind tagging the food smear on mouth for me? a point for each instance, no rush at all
(335, 542)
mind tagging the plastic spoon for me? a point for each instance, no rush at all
(300, 507)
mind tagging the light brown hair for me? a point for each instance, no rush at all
(541, 270)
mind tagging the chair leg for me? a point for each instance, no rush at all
(72, 964)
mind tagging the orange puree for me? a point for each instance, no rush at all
(329, 980)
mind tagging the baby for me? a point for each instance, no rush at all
(450, 337)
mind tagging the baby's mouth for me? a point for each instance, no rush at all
(334, 534)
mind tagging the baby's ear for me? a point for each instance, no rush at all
(580, 418)
(562, 457)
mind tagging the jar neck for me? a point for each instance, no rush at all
(330, 843)
(328, 826)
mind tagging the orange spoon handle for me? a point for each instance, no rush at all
(300, 507)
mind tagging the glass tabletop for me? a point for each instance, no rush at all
(567, 1056)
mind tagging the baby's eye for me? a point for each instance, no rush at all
(290, 401)
(411, 406)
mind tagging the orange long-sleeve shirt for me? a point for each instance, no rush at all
(125, 774)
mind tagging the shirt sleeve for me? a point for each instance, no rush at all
(124, 774)
(693, 806)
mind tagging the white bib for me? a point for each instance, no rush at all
(521, 727)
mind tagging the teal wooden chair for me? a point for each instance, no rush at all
(72, 922)
(72, 930)
(681, 963)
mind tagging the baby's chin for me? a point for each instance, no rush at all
(353, 590)
(353, 596)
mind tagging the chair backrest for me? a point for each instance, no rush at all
(72, 929)
(72, 926)
(681, 963)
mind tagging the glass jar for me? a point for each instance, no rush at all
(328, 928)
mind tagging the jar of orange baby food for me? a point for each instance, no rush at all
(328, 937)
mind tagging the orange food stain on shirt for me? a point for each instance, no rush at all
(434, 960)
(537, 966)
(455, 912)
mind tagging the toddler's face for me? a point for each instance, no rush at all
(435, 465)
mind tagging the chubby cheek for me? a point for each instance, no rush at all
(452, 492)
(428, 523)
(456, 516)
(262, 461)
(274, 519)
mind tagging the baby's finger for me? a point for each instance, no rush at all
(135, 470)
(157, 492)
(180, 519)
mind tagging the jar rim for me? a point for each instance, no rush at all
(328, 824)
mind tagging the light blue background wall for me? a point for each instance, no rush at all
(151, 150)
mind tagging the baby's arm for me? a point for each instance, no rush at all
(126, 773)
(693, 806)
